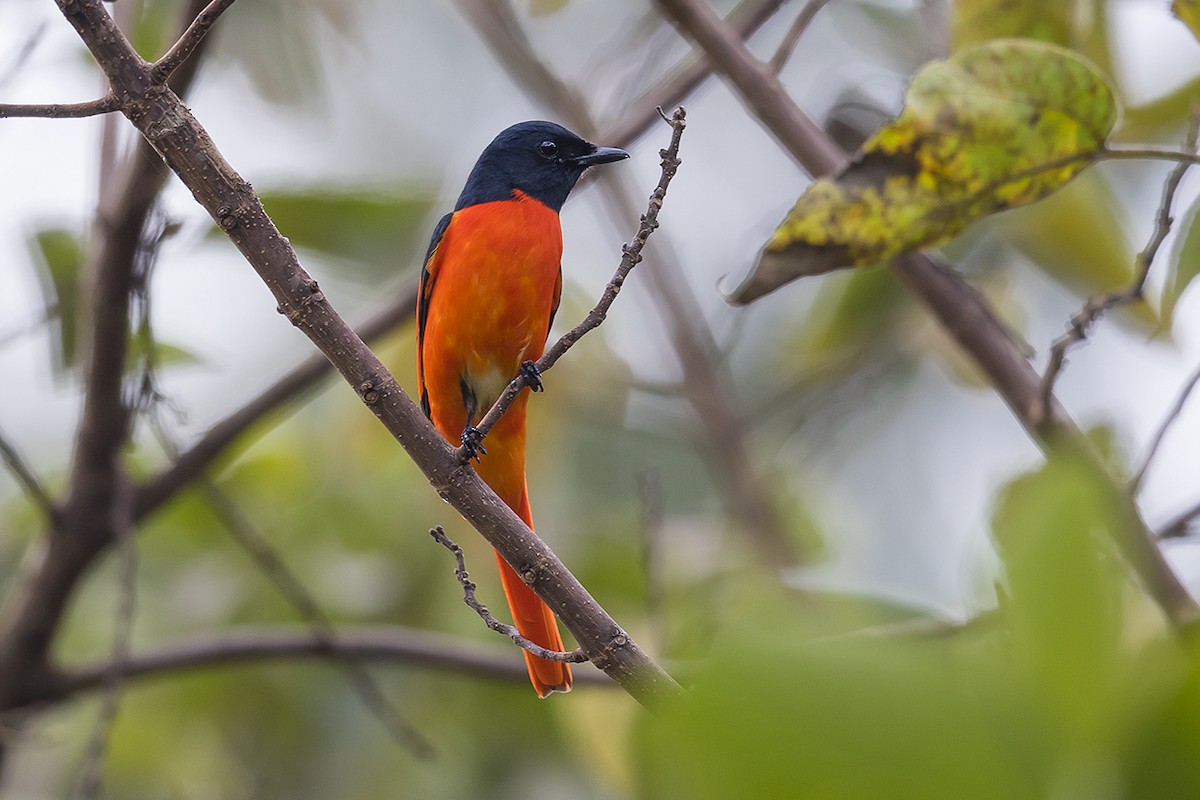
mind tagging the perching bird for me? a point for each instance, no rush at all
(489, 289)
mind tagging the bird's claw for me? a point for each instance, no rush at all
(532, 376)
(472, 442)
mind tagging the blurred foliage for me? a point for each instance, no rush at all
(374, 228)
(58, 257)
(980, 132)
(1184, 262)
(1063, 692)
(1188, 12)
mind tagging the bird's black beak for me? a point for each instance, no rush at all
(601, 155)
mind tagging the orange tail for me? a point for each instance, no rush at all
(536, 622)
(503, 468)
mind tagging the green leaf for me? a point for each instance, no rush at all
(1184, 266)
(1188, 12)
(997, 126)
(58, 254)
(1053, 530)
(374, 228)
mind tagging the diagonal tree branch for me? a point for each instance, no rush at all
(961, 312)
(187, 148)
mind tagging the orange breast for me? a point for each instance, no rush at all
(495, 281)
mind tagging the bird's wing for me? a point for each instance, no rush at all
(424, 293)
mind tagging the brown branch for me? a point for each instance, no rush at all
(792, 37)
(189, 42)
(193, 462)
(489, 619)
(1172, 414)
(187, 148)
(631, 256)
(963, 313)
(391, 644)
(1083, 319)
(24, 476)
(88, 108)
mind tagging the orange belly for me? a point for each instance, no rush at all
(496, 274)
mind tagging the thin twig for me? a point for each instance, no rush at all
(190, 40)
(792, 37)
(24, 476)
(631, 255)
(468, 586)
(1176, 409)
(88, 108)
(1083, 319)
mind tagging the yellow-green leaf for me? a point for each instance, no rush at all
(1188, 12)
(998, 125)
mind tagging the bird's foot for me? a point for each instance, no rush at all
(472, 442)
(532, 376)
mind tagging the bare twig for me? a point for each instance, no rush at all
(88, 108)
(631, 255)
(24, 476)
(187, 44)
(1082, 320)
(797, 29)
(1176, 409)
(469, 587)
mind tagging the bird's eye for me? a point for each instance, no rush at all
(548, 149)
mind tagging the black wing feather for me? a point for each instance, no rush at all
(425, 291)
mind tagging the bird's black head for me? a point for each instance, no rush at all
(541, 159)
